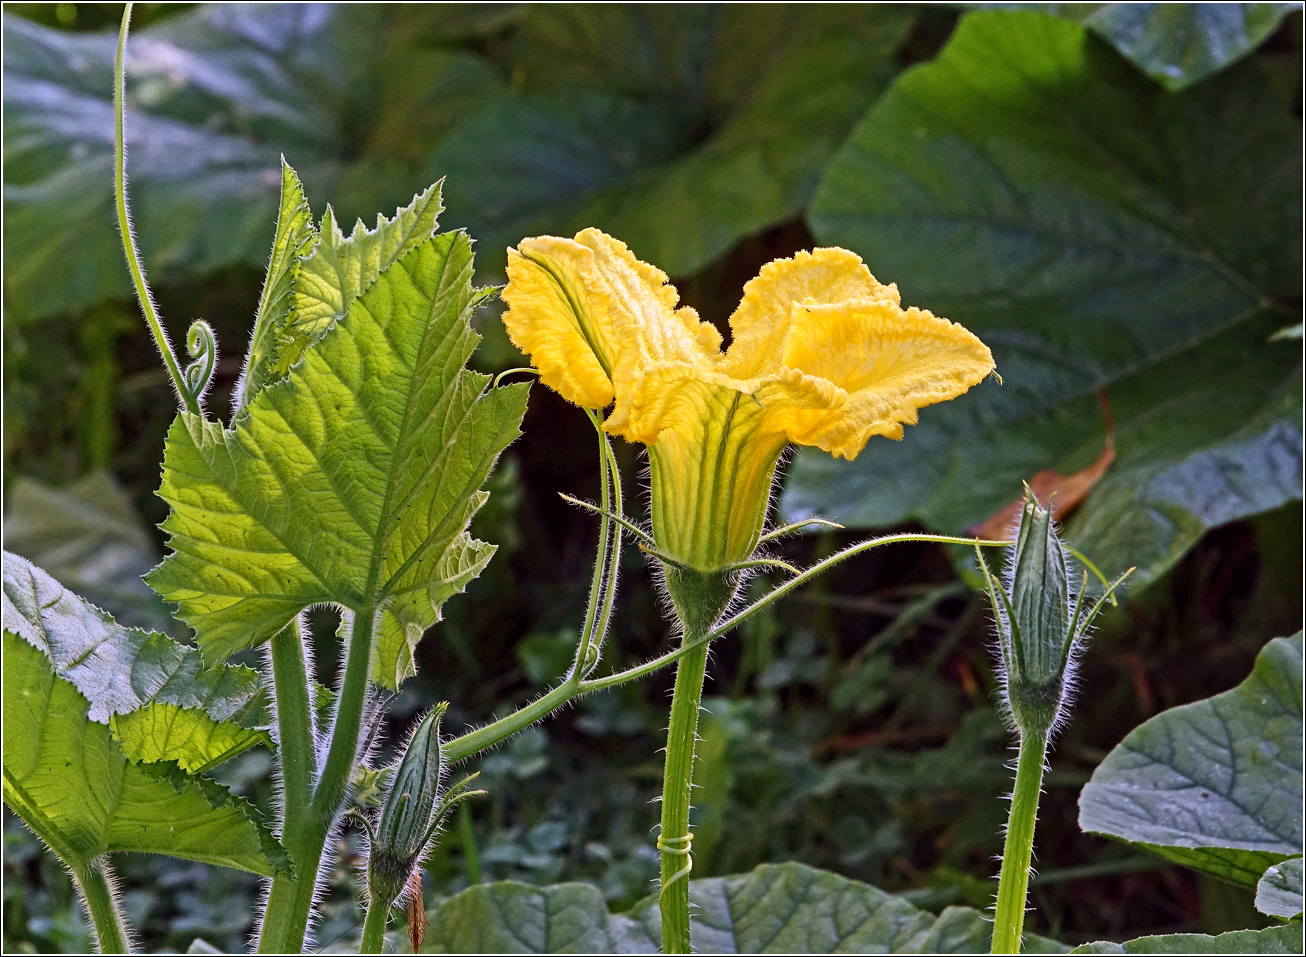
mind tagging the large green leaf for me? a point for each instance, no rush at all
(351, 94)
(679, 129)
(120, 670)
(1098, 233)
(1280, 891)
(1217, 784)
(1272, 940)
(1178, 44)
(89, 535)
(351, 481)
(777, 908)
(68, 779)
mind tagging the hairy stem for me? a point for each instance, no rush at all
(473, 742)
(290, 901)
(297, 750)
(378, 912)
(331, 787)
(189, 402)
(1013, 883)
(95, 881)
(674, 836)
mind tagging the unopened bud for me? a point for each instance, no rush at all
(405, 824)
(1040, 624)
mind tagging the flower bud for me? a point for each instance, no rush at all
(1040, 624)
(405, 823)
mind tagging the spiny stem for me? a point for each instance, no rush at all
(378, 913)
(472, 742)
(296, 747)
(1013, 883)
(331, 786)
(95, 881)
(290, 901)
(674, 835)
(188, 401)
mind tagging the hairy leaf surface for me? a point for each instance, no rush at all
(1217, 784)
(1280, 890)
(353, 95)
(68, 779)
(121, 670)
(776, 908)
(340, 269)
(1272, 940)
(679, 129)
(1099, 234)
(1178, 44)
(351, 481)
(293, 239)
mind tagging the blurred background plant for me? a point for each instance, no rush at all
(1109, 194)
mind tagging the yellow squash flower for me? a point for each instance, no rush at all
(822, 354)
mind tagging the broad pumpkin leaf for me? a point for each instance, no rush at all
(351, 481)
(1099, 234)
(1279, 892)
(352, 95)
(121, 671)
(1178, 44)
(71, 783)
(681, 130)
(89, 535)
(777, 908)
(1217, 784)
(1272, 940)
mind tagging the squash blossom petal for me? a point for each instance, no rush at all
(821, 354)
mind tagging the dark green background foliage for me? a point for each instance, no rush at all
(1110, 196)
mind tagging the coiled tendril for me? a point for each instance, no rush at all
(203, 348)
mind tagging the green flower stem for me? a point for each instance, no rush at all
(378, 912)
(601, 559)
(290, 901)
(473, 742)
(674, 835)
(189, 402)
(1013, 883)
(94, 882)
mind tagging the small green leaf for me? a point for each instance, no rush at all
(1099, 234)
(1217, 784)
(1280, 891)
(777, 908)
(340, 269)
(68, 779)
(291, 243)
(1272, 940)
(1178, 44)
(352, 481)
